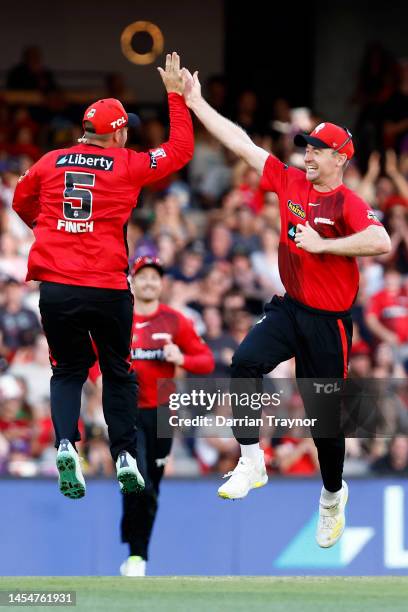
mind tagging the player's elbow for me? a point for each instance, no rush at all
(185, 154)
(189, 152)
(210, 366)
(380, 241)
(208, 363)
(383, 244)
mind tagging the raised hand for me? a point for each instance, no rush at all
(374, 166)
(391, 163)
(172, 75)
(192, 87)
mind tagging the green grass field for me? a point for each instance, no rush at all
(235, 594)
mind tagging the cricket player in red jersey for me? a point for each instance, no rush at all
(162, 339)
(324, 226)
(77, 201)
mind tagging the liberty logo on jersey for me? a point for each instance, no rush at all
(100, 162)
(297, 209)
(141, 354)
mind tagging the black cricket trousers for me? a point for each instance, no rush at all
(72, 318)
(320, 341)
(140, 509)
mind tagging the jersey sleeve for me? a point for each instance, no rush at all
(26, 200)
(276, 175)
(198, 358)
(358, 215)
(157, 163)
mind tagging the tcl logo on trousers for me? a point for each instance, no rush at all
(327, 388)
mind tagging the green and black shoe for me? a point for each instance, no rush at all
(129, 477)
(71, 481)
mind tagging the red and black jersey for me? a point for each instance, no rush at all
(150, 334)
(323, 281)
(78, 201)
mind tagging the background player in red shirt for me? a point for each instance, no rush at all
(324, 226)
(162, 339)
(78, 201)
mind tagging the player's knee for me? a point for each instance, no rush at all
(117, 371)
(75, 370)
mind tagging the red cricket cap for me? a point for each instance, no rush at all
(108, 115)
(143, 262)
(328, 136)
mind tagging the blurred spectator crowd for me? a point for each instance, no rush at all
(217, 235)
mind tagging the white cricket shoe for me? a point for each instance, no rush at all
(133, 566)
(332, 520)
(71, 481)
(247, 475)
(129, 477)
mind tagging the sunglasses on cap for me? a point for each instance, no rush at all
(343, 144)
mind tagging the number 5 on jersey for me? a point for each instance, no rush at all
(75, 183)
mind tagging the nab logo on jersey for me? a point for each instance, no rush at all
(98, 162)
(291, 231)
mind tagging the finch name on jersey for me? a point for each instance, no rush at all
(100, 162)
(75, 227)
(147, 354)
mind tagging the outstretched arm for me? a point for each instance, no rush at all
(373, 240)
(172, 155)
(228, 133)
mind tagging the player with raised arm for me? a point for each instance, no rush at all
(78, 201)
(324, 226)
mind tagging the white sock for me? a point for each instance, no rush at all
(328, 498)
(251, 451)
